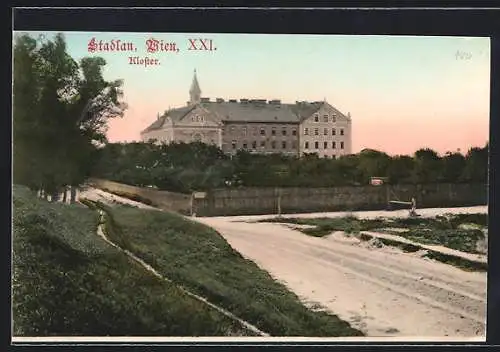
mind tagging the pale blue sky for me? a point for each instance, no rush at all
(414, 84)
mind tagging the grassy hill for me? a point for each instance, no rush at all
(68, 282)
(197, 257)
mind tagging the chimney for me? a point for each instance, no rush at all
(219, 100)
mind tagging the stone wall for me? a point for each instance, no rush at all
(253, 201)
(249, 201)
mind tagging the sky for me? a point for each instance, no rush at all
(403, 92)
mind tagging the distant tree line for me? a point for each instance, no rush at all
(184, 167)
(60, 112)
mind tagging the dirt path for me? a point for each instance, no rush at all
(384, 292)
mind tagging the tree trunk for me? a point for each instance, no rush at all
(73, 194)
(55, 196)
(65, 194)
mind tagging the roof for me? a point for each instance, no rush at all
(174, 114)
(248, 112)
(253, 112)
(155, 125)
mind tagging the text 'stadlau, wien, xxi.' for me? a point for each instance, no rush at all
(152, 47)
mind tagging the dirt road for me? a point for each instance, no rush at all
(382, 291)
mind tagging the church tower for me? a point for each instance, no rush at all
(195, 91)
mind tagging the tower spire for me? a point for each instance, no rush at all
(195, 91)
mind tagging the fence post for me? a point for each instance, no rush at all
(191, 205)
(278, 192)
(387, 195)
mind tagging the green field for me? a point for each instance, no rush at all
(68, 282)
(199, 259)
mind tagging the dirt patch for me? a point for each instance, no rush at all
(482, 243)
(341, 236)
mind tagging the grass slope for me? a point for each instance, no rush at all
(68, 282)
(198, 258)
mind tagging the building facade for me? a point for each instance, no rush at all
(255, 125)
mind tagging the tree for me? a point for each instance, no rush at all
(25, 108)
(453, 167)
(476, 165)
(60, 113)
(373, 163)
(427, 166)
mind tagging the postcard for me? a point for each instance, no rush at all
(249, 187)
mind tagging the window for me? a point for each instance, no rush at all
(245, 145)
(263, 144)
(316, 118)
(294, 132)
(341, 132)
(233, 129)
(306, 145)
(306, 131)
(325, 145)
(212, 141)
(334, 145)
(325, 132)
(316, 131)
(334, 117)
(254, 145)
(294, 144)
(334, 132)
(283, 145)
(273, 131)
(254, 131)
(244, 131)
(283, 131)
(341, 145)
(262, 131)
(325, 118)
(316, 145)
(273, 144)
(233, 144)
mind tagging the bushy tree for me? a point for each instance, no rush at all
(187, 167)
(60, 113)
